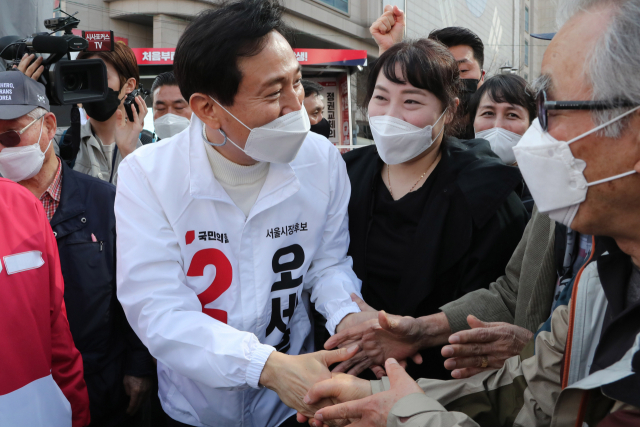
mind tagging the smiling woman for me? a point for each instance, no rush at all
(431, 217)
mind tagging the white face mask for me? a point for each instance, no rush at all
(169, 125)
(398, 141)
(276, 142)
(554, 177)
(502, 142)
(21, 163)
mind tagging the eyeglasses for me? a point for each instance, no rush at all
(544, 105)
(11, 138)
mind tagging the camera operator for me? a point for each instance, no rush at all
(108, 136)
(118, 369)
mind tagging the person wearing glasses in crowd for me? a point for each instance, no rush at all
(41, 380)
(118, 369)
(581, 160)
(108, 136)
(465, 46)
(431, 219)
(171, 112)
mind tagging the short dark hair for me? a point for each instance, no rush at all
(121, 58)
(311, 87)
(460, 36)
(164, 79)
(509, 88)
(206, 58)
(425, 64)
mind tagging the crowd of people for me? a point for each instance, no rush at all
(477, 266)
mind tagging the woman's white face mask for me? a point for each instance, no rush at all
(24, 162)
(502, 142)
(554, 177)
(398, 141)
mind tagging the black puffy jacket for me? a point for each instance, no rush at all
(109, 347)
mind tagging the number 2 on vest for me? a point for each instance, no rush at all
(221, 282)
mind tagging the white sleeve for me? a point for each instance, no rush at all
(330, 276)
(163, 311)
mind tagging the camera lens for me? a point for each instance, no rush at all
(72, 82)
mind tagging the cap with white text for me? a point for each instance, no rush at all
(20, 95)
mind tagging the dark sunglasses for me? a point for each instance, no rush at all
(11, 138)
(544, 105)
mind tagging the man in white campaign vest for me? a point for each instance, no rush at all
(230, 229)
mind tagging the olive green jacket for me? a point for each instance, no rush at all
(524, 295)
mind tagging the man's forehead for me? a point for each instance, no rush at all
(565, 59)
(462, 53)
(276, 60)
(168, 93)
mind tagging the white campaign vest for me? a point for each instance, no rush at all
(184, 248)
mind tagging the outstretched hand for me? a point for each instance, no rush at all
(379, 339)
(372, 410)
(389, 28)
(292, 376)
(486, 346)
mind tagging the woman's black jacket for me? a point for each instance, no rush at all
(470, 226)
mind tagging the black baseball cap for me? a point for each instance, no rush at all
(20, 95)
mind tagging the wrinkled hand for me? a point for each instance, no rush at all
(353, 319)
(389, 28)
(292, 376)
(128, 132)
(379, 339)
(491, 342)
(138, 389)
(372, 410)
(339, 389)
(29, 67)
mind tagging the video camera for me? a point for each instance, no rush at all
(66, 81)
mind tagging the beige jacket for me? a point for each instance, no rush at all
(91, 160)
(524, 295)
(527, 390)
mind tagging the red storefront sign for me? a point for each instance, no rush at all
(154, 56)
(344, 57)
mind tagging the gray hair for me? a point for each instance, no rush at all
(612, 67)
(36, 112)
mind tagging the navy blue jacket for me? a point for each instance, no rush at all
(109, 347)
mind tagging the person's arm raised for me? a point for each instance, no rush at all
(389, 28)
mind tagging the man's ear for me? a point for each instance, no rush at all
(50, 126)
(206, 110)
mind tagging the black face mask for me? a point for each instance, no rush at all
(103, 110)
(469, 87)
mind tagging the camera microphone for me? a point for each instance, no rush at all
(49, 44)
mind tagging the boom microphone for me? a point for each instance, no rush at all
(49, 44)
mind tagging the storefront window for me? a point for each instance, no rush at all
(341, 5)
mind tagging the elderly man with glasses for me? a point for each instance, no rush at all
(118, 369)
(581, 161)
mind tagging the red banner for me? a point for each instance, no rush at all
(331, 57)
(154, 56)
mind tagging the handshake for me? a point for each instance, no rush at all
(322, 398)
(371, 340)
